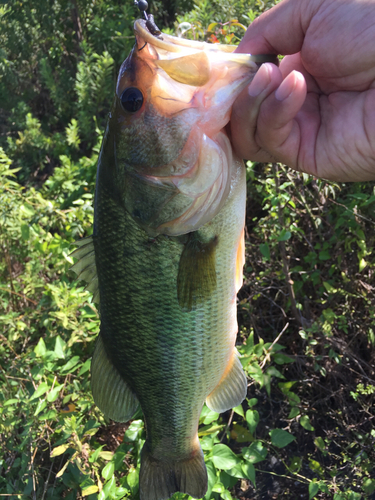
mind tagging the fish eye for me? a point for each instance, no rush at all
(131, 99)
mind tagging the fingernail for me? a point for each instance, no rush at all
(260, 81)
(286, 87)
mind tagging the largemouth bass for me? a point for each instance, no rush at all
(166, 256)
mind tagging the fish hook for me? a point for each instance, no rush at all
(150, 23)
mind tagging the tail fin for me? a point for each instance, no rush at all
(159, 480)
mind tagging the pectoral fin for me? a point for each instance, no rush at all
(111, 393)
(191, 70)
(196, 278)
(85, 267)
(232, 388)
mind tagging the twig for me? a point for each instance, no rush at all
(351, 211)
(19, 295)
(288, 279)
(9, 266)
(32, 455)
(270, 347)
(50, 469)
(227, 426)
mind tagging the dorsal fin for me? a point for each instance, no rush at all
(85, 267)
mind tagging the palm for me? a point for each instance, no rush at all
(331, 112)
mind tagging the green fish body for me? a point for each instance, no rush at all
(166, 256)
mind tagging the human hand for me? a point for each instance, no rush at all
(316, 113)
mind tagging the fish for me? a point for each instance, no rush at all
(165, 259)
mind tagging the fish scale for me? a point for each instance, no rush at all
(165, 260)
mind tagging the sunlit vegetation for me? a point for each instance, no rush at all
(306, 311)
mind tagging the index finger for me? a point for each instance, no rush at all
(280, 30)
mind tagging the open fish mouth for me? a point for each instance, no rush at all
(179, 94)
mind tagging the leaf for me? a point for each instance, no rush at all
(54, 394)
(362, 264)
(226, 495)
(40, 407)
(319, 443)
(239, 410)
(90, 490)
(59, 347)
(27, 210)
(85, 368)
(62, 470)
(132, 478)
(329, 287)
(265, 250)
(108, 470)
(25, 231)
(252, 419)
(59, 450)
(207, 416)
(121, 492)
(106, 455)
(40, 348)
(48, 415)
(252, 402)
(294, 412)
(110, 487)
(313, 489)
(236, 23)
(255, 453)
(10, 402)
(211, 26)
(240, 434)
(305, 422)
(281, 438)
(282, 359)
(369, 486)
(223, 457)
(324, 255)
(295, 464)
(70, 366)
(133, 430)
(236, 471)
(249, 471)
(40, 390)
(284, 235)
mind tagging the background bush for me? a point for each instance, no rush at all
(306, 311)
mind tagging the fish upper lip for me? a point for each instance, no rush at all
(179, 45)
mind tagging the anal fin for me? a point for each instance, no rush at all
(111, 393)
(232, 388)
(240, 261)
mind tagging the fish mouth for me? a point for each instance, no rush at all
(177, 47)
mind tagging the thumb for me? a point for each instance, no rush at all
(280, 30)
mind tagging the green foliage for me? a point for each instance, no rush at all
(58, 63)
(306, 311)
